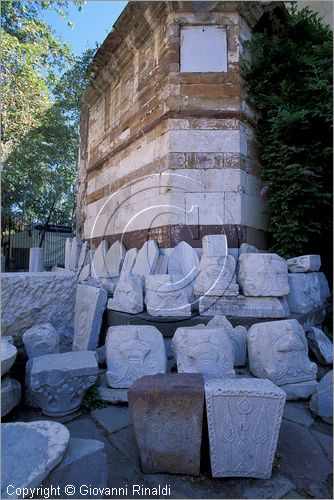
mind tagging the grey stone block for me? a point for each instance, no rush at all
(322, 400)
(10, 394)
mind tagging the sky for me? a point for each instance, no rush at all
(91, 25)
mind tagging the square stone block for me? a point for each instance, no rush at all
(304, 264)
(244, 419)
(167, 295)
(214, 245)
(263, 274)
(204, 350)
(305, 293)
(133, 351)
(128, 295)
(217, 277)
(167, 415)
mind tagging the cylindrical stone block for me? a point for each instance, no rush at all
(36, 260)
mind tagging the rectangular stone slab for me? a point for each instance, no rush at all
(244, 307)
(167, 415)
(244, 419)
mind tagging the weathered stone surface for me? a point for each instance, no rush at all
(10, 394)
(246, 248)
(8, 354)
(263, 274)
(298, 413)
(84, 458)
(278, 350)
(214, 245)
(90, 305)
(110, 395)
(203, 350)
(244, 307)
(32, 298)
(98, 267)
(75, 253)
(217, 277)
(85, 270)
(167, 415)
(68, 249)
(133, 351)
(109, 282)
(320, 345)
(304, 292)
(115, 257)
(162, 265)
(304, 264)
(238, 336)
(300, 390)
(57, 382)
(29, 452)
(244, 418)
(129, 260)
(128, 295)
(147, 259)
(82, 260)
(324, 287)
(41, 339)
(183, 261)
(167, 295)
(36, 260)
(322, 399)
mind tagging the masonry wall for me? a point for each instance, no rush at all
(165, 154)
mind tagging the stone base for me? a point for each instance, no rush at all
(10, 394)
(256, 307)
(301, 390)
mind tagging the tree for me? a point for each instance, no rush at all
(289, 78)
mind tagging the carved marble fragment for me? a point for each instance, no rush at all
(147, 259)
(263, 274)
(217, 277)
(238, 336)
(40, 340)
(304, 264)
(244, 307)
(128, 295)
(305, 293)
(167, 295)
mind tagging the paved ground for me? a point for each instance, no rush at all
(302, 467)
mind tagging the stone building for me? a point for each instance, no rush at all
(167, 135)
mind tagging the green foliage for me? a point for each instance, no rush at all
(288, 76)
(92, 400)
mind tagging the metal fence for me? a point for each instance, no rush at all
(18, 236)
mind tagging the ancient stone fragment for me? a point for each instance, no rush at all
(304, 292)
(299, 390)
(238, 336)
(129, 261)
(244, 418)
(322, 399)
(244, 307)
(98, 267)
(147, 259)
(246, 248)
(167, 295)
(75, 253)
(90, 305)
(263, 274)
(304, 264)
(324, 287)
(183, 261)
(115, 257)
(214, 245)
(162, 265)
(10, 394)
(203, 350)
(278, 350)
(8, 354)
(167, 414)
(40, 340)
(85, 269)
(133, 351)
(217, 277)
(128, 295)
(320, 345)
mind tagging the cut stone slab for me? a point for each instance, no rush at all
(40, 340)
(304, 264)
(75, 253)
(183, 261)
(217, 277)
(324, 287)
(68, 249)
(244, 307)
(238, 336)
(129, 261)
(214, 245)
(128, 295)
(36, 260)
(115, 257)
(8, 354)
(320, 345)
(83, 458)
(90, 305)
(321, 402)
(147, 259)
(85, 270)
(57, 382)
(162, 265)
(98, 267)
(246, 248)
(244, 419)
(304, 292)
(112, 418)
(10, 394)
(203, 350)
(133, 351)
(298, 413)
(167, 415)
(29, 452)
(167, 295)
(263, 275)
(278, 350)
(300, 390)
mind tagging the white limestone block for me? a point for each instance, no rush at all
(83, 256)
(75, 253)
(133, 351)
(278, 350)
(324, 287)
(128, 295)
(40, 340)
(85, 270)
(263, 274)
(244, 307)
(57, 382)
(36, 260)
(246, 248)
(115, 257)
(304, 264)
(320, 345)
(129, 261)
(300, 390)
(162, 265)
(10, 394)
(147, 259)
(184, 261)
(244, 418)
(214, 245)
(90, 304)
(167, 295)
(238, 336)
(203, 350)
(304, 292)
(68, 249)
(98, 267)
(8, 354)
(217, 277)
